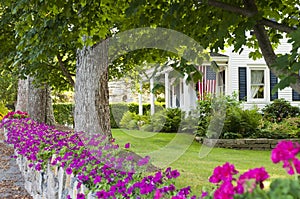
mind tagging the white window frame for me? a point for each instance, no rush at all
(220, 89)
(266, 84)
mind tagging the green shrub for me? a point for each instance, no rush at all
(133, 121)
(63, 113)
(211, 114)
(279, 110)
(189, 123)
(147, 128)
(167, 120)
(128, 121)
(3, 110)
(242, 123)
(288, 128)
(117, 111)
(157, 120)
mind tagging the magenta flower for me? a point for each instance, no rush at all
(203, 194)
(257, 176)
(223, 173)
(69, 171)
(143, 161)
(225, 191)
(127, 145)
(97, 179)
(158, 194)
(80, 196)
(285, 150)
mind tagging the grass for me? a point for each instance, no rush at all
(182, 153)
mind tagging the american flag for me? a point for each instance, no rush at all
(207, 85)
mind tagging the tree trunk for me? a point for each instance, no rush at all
(92, 113)
(270, 56)
(36, 101)
(22, 98)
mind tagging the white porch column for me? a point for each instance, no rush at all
(167, 90)
(151, 96)
(181, 94)
(141, 99)
(173, 97)
(186, 95)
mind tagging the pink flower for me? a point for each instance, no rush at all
(97, 179)
(158, 194)
(258, 174)
(204, 194)
(127, 145)
(225, 191)
(285, 150)
(69, 171)
(290, 165)
(223, 173)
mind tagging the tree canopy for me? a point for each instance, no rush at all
(217, 23)
(41, 37)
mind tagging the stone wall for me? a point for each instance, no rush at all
(251, 144)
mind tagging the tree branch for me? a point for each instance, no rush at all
(65, 71)
(231, 8)
(270, 56)
(250, 11)
(278, 26)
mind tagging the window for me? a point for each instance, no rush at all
(257, 86)
(221, 82)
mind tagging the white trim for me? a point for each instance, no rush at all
(266, 98)
(152, 109)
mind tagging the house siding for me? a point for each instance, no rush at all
(242, 60)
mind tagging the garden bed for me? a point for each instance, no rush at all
(251, 144)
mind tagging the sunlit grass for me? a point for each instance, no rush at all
(194, 170)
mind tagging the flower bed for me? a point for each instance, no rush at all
(101, 169)
(71, 165)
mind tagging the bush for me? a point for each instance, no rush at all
(241, 123)
(3, 110)
(157, 121)
(63, 113)
(133, 121)
(279, 110)
(189, 123)
(147, 128)
(288, 128)
(128, 121)
(167, 120)
(117, 111)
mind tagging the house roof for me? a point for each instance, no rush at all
(213, 54)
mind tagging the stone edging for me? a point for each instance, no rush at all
(251, 144)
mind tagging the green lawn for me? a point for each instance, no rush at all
(166, 149)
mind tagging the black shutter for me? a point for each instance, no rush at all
(273, 82)
(242, 83)
(295, 96)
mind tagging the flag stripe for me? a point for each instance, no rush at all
(207, 84)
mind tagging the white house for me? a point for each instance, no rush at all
(236, 73)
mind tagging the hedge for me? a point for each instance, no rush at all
(63, 112)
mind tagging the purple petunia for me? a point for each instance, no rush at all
(127, 146)
(69, 171)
